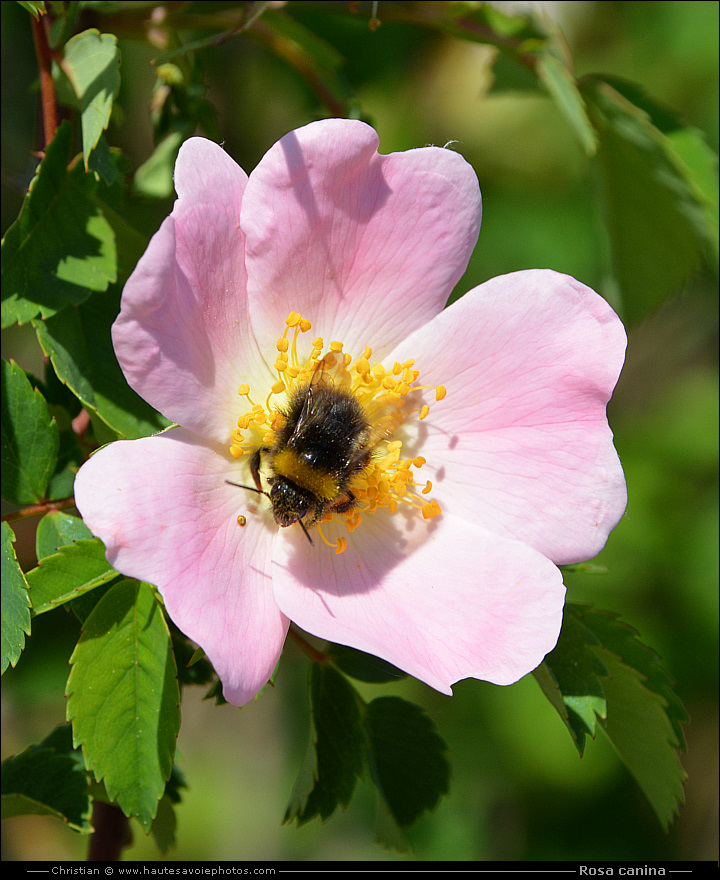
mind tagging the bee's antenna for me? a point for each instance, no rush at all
(251, 488)
(307, 534)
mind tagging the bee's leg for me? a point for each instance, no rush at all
(347, 504)
(255, 465)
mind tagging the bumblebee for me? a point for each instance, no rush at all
(325, 442)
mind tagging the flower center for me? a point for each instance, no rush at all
(326, 435)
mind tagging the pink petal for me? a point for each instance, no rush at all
(367, 247)
(165, 515)
(521, 445)
(443, 603)
(183, 337)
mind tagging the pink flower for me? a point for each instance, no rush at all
(519, 457)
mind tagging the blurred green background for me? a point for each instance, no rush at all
(519, 790)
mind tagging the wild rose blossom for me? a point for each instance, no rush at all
(498, 432)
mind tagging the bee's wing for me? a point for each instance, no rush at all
(307, 408)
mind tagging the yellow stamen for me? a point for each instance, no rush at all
(387, 397)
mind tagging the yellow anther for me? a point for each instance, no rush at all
(241, 520)
(388, 480)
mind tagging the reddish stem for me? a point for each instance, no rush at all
(38, 509)
(47, 87)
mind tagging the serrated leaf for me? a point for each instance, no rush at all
(15, 603)
(60, 249)
(640, 730)
(660, 223)
(406, 756)
(73, 570)
(56, 529)
(571, 677)
(335, 758)
(123, 698)
(92, 64)
(79, 344)
(561, 85)
(362, 666)
(622, 640)
(642, 715)
(165, 822)
(47, 780)
(30, 439)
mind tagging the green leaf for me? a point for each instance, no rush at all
(154, 178)
(123, 698)
(35, 8)
(15, 603)
(641, 732)
(73, 570)
(622, 640)
(60, 249)
(362, 666)
(661, 218)
(56, 529)
(561, 85)
(407, 758)
(571, 677)
(165, 822)
(79, 345)
(30, 439)
(47, 780)
(601, 669)
(334, 760)
(92, 64)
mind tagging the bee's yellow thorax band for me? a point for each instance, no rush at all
(323, 484)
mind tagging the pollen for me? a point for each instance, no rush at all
(391, 398)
